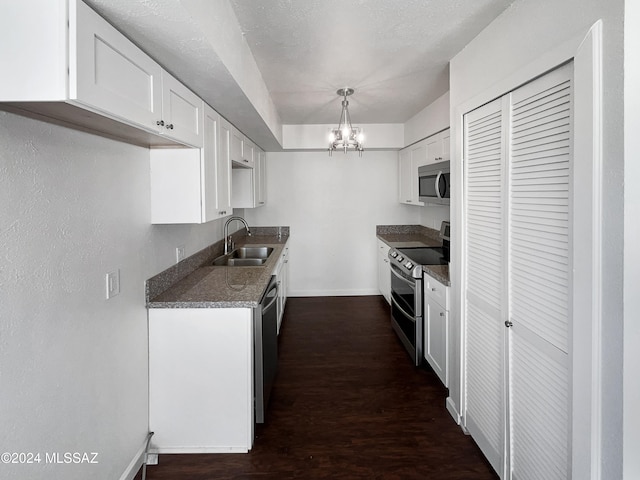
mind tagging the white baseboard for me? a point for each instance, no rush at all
(159, 450)
(335, 293)
(453, 411)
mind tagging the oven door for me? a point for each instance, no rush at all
(406, 312)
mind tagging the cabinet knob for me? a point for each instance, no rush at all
(442, 314)
(170, 126)
(160, 123)
(433, 289)
(508, 323)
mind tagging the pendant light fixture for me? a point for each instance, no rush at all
(346, 136)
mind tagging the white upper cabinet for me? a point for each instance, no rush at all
(261, 177)
(109, 73)
(223, 168)
(237, 140)
(192, 185)
(438, 147)
(249, 184)
(181, 112)
(69, 64)
(409, 159)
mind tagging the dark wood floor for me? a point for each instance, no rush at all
(347, 404)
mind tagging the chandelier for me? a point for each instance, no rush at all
(346, 136)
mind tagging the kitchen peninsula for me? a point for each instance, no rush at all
(202, 320)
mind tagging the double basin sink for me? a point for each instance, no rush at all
(244, 257)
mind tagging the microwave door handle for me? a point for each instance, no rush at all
(438, 185)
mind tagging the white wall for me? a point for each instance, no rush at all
(521, 35)
(631, 241)
(432, 119)
(73, 366)
(383, 136)
(432, 216)
(333, 205)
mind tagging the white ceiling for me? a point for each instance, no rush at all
(394, 53)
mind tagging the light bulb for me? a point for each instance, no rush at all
(345, 132)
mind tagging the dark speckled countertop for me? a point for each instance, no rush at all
(207, 286)
(408, 236)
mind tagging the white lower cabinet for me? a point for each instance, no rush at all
(282, 275)
(384, 273)
(201, 380)
(436, 327)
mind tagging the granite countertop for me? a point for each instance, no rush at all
(409, 236)
(208, 286)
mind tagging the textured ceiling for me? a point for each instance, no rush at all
(394, 53)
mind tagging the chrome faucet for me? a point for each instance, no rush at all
(228, 241)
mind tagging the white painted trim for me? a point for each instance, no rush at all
(453, 411)
(135, 464)
(335, 293)
(169, 450)
(587, 227)
(586, 51)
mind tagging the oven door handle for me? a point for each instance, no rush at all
(409, 282)
(402, 310)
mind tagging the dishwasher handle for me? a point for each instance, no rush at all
(270, 305)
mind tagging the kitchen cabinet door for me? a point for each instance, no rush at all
(260, 172)
(201, 380)
(282, 275)
(436, 338)
(384, 273)
(248, 152)
(409, 160)
(182, 112)
(109, 73)
(223, 169)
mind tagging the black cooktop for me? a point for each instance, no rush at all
(425, 255)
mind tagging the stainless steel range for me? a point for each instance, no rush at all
(407, 290)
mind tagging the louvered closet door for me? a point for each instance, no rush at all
(485, 287)
(539, 276)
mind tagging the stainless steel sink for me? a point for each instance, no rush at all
(245, 257)
(252, 252)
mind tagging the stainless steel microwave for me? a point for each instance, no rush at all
(433, 183)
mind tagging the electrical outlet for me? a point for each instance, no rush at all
(113, 283)
(179, 253)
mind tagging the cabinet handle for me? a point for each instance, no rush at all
(160, 123)
(408, 201)
(508, 323)
(261, 203)
(170, 126)
(433, 289)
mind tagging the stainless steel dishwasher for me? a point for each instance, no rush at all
(265, 348)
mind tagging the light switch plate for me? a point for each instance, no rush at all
(113, 283)
(179, 253)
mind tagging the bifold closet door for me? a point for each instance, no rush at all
(517, 277)
(485, 274)
(539, 166)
